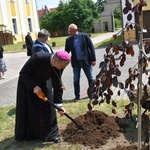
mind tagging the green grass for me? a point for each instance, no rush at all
(14, 47)
(60, 42)
(7, 122)
(110, 40)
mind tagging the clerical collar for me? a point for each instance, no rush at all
(76, 34)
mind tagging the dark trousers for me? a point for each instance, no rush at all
(76, 77)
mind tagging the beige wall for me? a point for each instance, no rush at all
(131, 35)
(20, 11)
(146, 7)
(128, 35)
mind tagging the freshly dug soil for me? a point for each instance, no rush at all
(98, 128)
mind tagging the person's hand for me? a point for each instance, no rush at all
(93, 63)
(37, 90)
(62, 111)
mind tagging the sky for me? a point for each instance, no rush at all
(49, 3)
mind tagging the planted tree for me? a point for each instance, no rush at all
(100, 90)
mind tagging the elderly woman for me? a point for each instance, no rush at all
(3, 68)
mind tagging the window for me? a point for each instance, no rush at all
(27, 1)
(14, 23)
(30, 24)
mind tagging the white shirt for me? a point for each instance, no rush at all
(48, 48)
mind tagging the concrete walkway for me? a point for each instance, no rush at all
(15, 61)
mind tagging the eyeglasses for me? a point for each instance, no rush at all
(71, 31)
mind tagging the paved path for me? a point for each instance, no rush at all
(15, 62)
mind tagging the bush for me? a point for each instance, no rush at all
(118, 23)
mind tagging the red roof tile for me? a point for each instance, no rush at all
(42, 12)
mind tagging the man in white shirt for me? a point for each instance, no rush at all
(40, 44)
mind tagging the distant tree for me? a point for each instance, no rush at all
(80, 12)
(117, 13)
(47, 21)
(117, 16)
(92, 8)
(100, 5)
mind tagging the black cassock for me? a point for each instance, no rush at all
(35, 118)
(29, 43)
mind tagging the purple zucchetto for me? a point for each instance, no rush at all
(63, 55)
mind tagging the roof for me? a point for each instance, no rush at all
(42, 12)
(45, 10)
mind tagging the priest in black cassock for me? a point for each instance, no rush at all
(29, 43)
(35, 118)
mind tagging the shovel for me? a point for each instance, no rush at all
(42, 96)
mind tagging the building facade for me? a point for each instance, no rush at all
(140, 19)
(144, 19)
(19, 17)
(106, 22)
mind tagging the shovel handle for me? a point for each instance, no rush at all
(59, 109)
(42, 96)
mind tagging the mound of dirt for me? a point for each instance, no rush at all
(98, 127)
(100, 131)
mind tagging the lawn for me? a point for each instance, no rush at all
(60, 42)
(7, 122)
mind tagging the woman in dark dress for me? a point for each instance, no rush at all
(35, 118)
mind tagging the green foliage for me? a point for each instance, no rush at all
(100, 5)
(50, 21)
(118, 23)
(117, 16)
(80, 12)
(117, 13)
